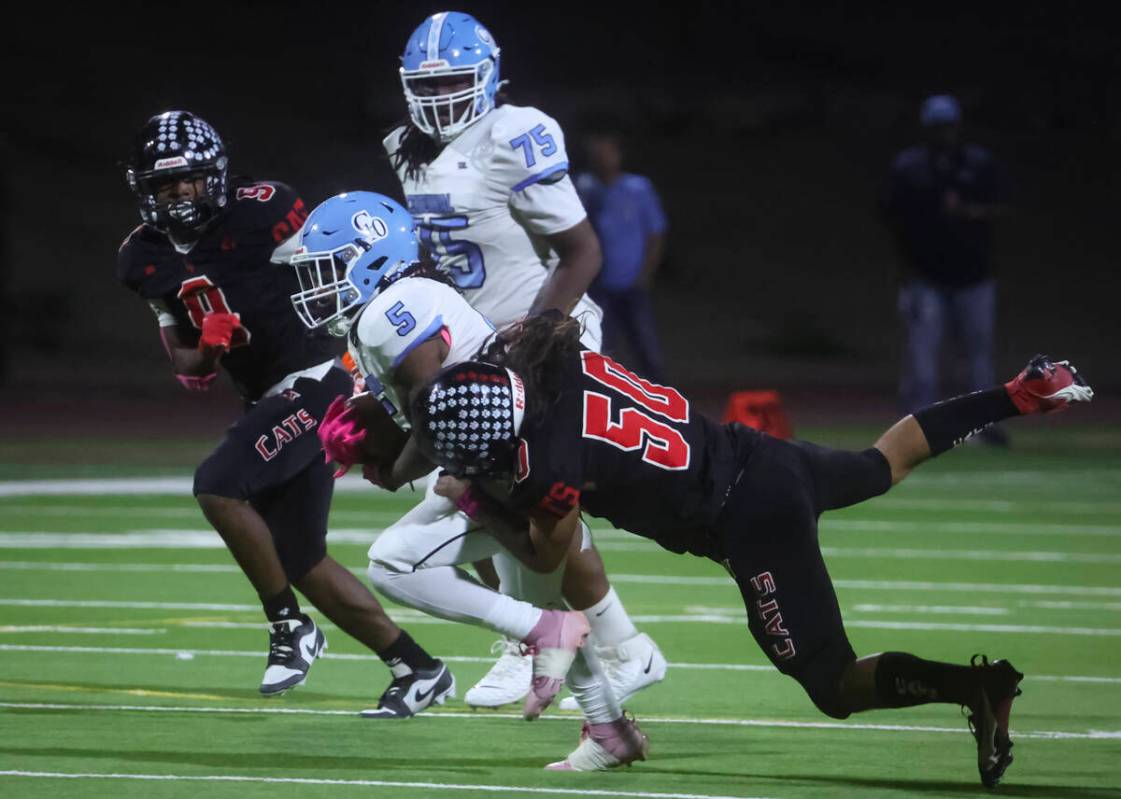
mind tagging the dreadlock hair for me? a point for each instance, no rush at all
(425, 266)
(537, 349)
(414, 150)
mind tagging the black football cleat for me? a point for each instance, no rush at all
(988, 721)
(294, 645)
(1046, 386)
(406, 696)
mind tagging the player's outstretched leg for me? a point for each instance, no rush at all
(987, 689)
(419, 680)
(550, 637)
(1044, 386)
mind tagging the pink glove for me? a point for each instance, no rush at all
(341, 433)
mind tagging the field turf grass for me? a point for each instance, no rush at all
(131, 649)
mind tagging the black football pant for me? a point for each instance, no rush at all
(272, 458)
(768, 535)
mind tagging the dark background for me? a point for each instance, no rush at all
(767, 128)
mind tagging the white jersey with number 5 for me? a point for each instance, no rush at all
(486, 203)
(401, 318)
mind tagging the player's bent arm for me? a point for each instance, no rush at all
(539, 540)
(410, 465)
(188, 361)
(580, 259)
(551, 538)
(417, 370)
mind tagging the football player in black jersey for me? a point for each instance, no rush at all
(211, 260)
(554, 429)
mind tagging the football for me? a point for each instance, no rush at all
(384, 438)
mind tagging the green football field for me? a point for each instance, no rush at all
(131, 647)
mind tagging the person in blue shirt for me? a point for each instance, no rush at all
(943, 196)
(628, 218)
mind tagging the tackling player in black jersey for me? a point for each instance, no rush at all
(554, 429)
(211, 260)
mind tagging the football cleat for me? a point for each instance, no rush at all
(606, 746)
(635, 664)
(1046, 386)
(553, 643)
(294, 644)
(988, 720)
(408, 695)
(508, 679)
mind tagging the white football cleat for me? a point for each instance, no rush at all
(606, 746)
(635, 664)
(508, 679)
(294, 644)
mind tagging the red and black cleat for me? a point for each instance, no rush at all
(1045, 386)
(989, 717)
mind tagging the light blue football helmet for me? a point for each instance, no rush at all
(347, 248)
(447, 46)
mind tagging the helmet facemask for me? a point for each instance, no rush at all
(176, 215)
(444, 116)
(328, 295)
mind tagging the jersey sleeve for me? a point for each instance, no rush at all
(548, 472)
(272, 205)
(531, 164)
(395, 323)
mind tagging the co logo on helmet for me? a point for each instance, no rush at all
(371, 227)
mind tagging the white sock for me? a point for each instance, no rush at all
(610, 623)
(593, 693)
(451, 593)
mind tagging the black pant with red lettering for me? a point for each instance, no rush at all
(768, 536)
(272, 458)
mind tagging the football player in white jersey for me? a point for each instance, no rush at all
(489, 188)
(360, 276)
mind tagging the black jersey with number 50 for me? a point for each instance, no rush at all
(229, 270)
(630, 451)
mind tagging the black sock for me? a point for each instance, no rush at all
(949, 423)
(903, 680)
(407, 651)
(283, 606)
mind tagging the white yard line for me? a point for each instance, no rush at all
(55, 628)
(425, 786)
(152, 651)
(140, 486)
(654, 719)
(936, 527)
(1081, 507)
(901, 553)
(736, 617)
(661, 580)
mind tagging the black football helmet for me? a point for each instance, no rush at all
(468, 419)
(173, 145)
